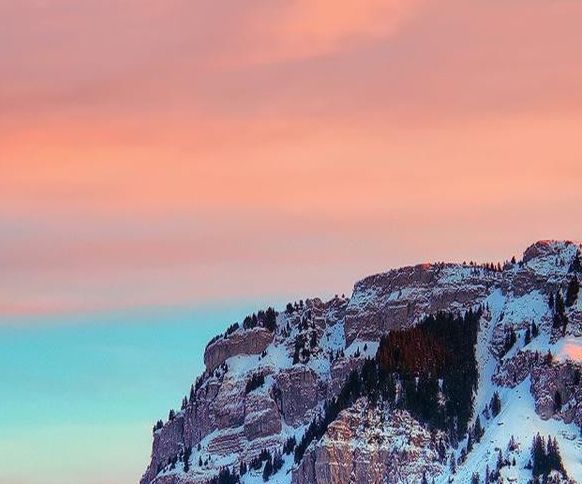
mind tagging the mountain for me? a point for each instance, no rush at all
(437, 373)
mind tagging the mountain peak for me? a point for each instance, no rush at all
(549, 248)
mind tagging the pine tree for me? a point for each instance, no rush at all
(495, 404)
(186, 458)
(527, 338)
(538, 456)
(534, 330)
(225, 476)
(572, 291)
(553, 457)
(277, 462)
(560, 318)
(268, 470)
(478, 429)
(313, 340)
(475, 478)
(159, 424)
(557, 401)
(576, 266)
(548, 358)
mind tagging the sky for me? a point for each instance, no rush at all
(167, 167)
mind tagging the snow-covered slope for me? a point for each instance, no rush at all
(268, 379)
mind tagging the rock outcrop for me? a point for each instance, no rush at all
(251, 342)
(298, 381)
(360, 446)
(400, 298)
(555, 386)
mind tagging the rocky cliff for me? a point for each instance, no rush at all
(266, 384)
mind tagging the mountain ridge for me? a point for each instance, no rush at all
(300, 360)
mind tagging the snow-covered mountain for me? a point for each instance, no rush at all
(433, 373)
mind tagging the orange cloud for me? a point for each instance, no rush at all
(310, 28)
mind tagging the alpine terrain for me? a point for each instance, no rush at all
(437, 373)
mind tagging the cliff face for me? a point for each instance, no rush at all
(362, 446)
(400, 298)
(302, 364)
(252, 342)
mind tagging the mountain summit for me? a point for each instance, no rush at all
(464, 373)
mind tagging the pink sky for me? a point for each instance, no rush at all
(184, 151)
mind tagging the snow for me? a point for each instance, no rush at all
(540, 344)
(557, 262)
(567, 348)
(277, 357)
(367, 349)
(518, 418)
(486, 360)
(240, 365)
(321, 366)
(402, 293)
(457, 273)
(333, 340)
(334, 337)
(362, 298)
(530, 307)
